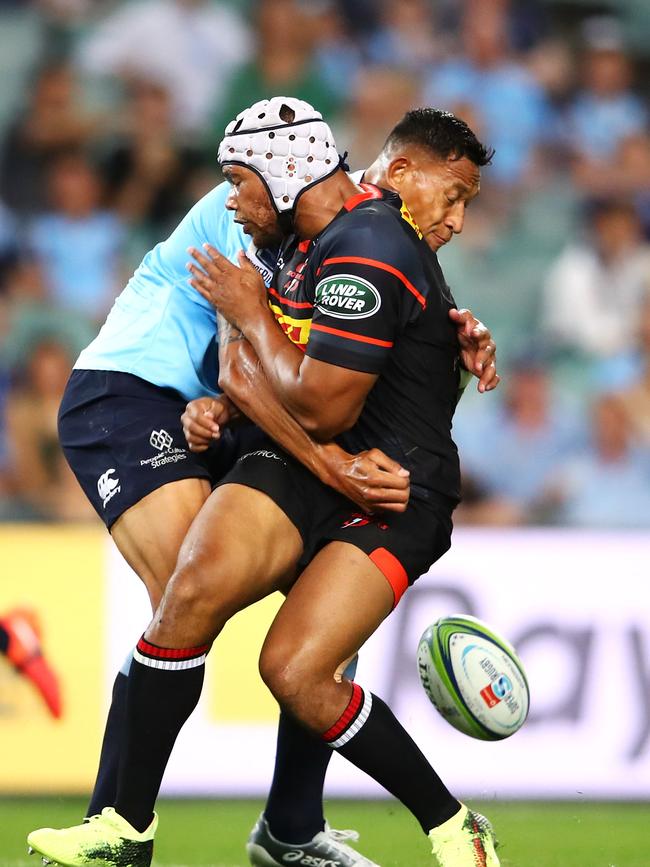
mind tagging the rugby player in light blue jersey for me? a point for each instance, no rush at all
(120, 428)
(160, 329)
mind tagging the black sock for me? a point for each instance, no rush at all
(4, 640)
(369, 735)
(105, 788)
(294, 809)
(164, 686)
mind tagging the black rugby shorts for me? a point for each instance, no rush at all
(403, 546)
(123, 439)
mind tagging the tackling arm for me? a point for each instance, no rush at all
(323, 398)
(242, 379)
(370, 479)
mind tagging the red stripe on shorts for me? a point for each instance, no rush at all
(393, 570)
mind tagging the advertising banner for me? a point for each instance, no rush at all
(575, 605)
(58, 576)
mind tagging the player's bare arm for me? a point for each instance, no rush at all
(370, 479)
(373, 481)
(324, 399)
(221, 283)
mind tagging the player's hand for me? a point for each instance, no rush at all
(477, 349)
(371, 479)
(238, 293)
(202, 421)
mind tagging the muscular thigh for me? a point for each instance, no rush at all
(124, 441)
(365, 565)
(150, 533)
(335, 605)
(403, 546)
(240, 547)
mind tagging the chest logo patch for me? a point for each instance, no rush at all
(347, 296)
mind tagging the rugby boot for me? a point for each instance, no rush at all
(25, 653)
(327, 848)
(466, 840)
(106, 840)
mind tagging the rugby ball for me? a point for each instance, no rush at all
(473, 678)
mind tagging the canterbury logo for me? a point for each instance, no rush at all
(108, 487)
(160, 440)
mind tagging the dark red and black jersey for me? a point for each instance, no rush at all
(368, 294)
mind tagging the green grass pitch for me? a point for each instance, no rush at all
(213, 833)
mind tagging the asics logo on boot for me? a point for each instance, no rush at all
(299, 857)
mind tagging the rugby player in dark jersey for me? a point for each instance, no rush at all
(372, 358)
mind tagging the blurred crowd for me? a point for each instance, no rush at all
(110, 114)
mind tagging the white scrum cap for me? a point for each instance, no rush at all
(289, 156)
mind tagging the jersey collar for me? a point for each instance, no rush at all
(369, 191)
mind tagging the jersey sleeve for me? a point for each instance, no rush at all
(366, 291)
(205, 221)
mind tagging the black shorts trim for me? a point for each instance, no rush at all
(402, 545)
(270, 470)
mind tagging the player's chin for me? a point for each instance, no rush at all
(435, 242)
(265, 237)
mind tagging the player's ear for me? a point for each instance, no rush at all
(396, 172)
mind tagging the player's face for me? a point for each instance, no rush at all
(250, 201)
(437, 192)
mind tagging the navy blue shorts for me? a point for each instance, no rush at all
(123, 439)
(402, 545)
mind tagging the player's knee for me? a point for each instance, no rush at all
(282, 673)
(193, 596)
(292, 677)
(271, 666)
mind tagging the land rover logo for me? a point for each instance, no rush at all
(347, 296)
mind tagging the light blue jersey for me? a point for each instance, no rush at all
(160, 329)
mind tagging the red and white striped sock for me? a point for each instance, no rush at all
(370, 736)
(168, 659)
(164, 686)
(351, 720)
